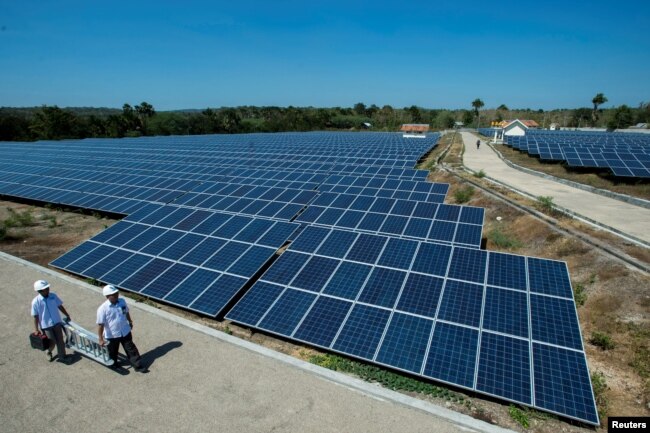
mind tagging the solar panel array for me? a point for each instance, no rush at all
(625, 154)
(378, 266)
(494, 323)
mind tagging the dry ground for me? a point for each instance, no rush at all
(617, 297)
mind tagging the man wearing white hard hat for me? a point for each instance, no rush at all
(115, 324)
(45, 310)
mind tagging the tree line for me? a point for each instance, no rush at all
(55, 123)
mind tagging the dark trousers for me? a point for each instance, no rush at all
(55, 334)
(129, 347)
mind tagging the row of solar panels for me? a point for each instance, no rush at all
(629, 158)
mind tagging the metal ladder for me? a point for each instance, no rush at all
(86, 343)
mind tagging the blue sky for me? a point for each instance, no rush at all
(434, 54)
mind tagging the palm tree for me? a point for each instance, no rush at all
(477, 104)
(599, 99)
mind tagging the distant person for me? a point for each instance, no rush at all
(115, 325)
(45, 310)
(478, 144)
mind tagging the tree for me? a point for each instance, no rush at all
(477, 104)
(145, 112)
(622, 118)
(416, 114)
(53, 123)
(360, 108)
(503, 107)
(599, 99)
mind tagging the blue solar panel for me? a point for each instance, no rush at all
(90, 258)
(192, 287)
(549, 277)
(80, 251)
(215, 297)
(315, 273)
(367, 248)
(322, 322)
(468, 264)
(507, 270)
(562, 383)
(337, 244)
(286, 267)
(347, 280)
(432, 259)
(421, 295)
(398, 253)
(405, 342)
(201, 252)
(309, 239)
(166, 282)
(144, 276)
(383, 287)
(461, 303)
(362, 331)
(504, 367)
(251, 261)
(506, 311)
(555, 321)
(226, 256)
(287, 311)
(452, 356)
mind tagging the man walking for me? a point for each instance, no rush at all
(45, 310)
(478, 144)
(115, 324)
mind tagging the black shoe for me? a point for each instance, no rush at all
(50, 357)
(67, 360)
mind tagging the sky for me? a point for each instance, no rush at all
(433, 54)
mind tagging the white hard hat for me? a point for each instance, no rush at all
(109, 290)
(41, 285)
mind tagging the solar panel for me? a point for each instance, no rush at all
(458, 315)
(157, 261)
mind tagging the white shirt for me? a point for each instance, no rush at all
(47, 310)
(113, 317)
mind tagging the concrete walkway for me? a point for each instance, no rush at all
(200, 380)
(620, 216)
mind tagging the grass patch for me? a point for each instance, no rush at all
(386, 378)
(19, 219)
(600, 387)
(519, 416)
(545, 203)
(504, 240)
(579, 294)
(602, 340)
(463, 195)
(227, 330)
(93, 282)
(480, 174)
(3, 232)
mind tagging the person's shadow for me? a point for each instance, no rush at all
(150, 357)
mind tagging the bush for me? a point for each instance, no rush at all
(579, 294)
(602, 340)
(504, 240)
(19, 219)
(545, 203)
(600, 386)
(519, 416)
(3, 232)
(463, 195)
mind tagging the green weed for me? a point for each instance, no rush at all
(386, 378)
(3, 232)
(600, 387)
(504, 240)
(480, 174)
(545, 203)
(19, 219)
(602, 340)
(519, 415)
(579, 294)
(227, 330)
(463, 195)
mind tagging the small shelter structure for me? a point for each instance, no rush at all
(414, 130)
